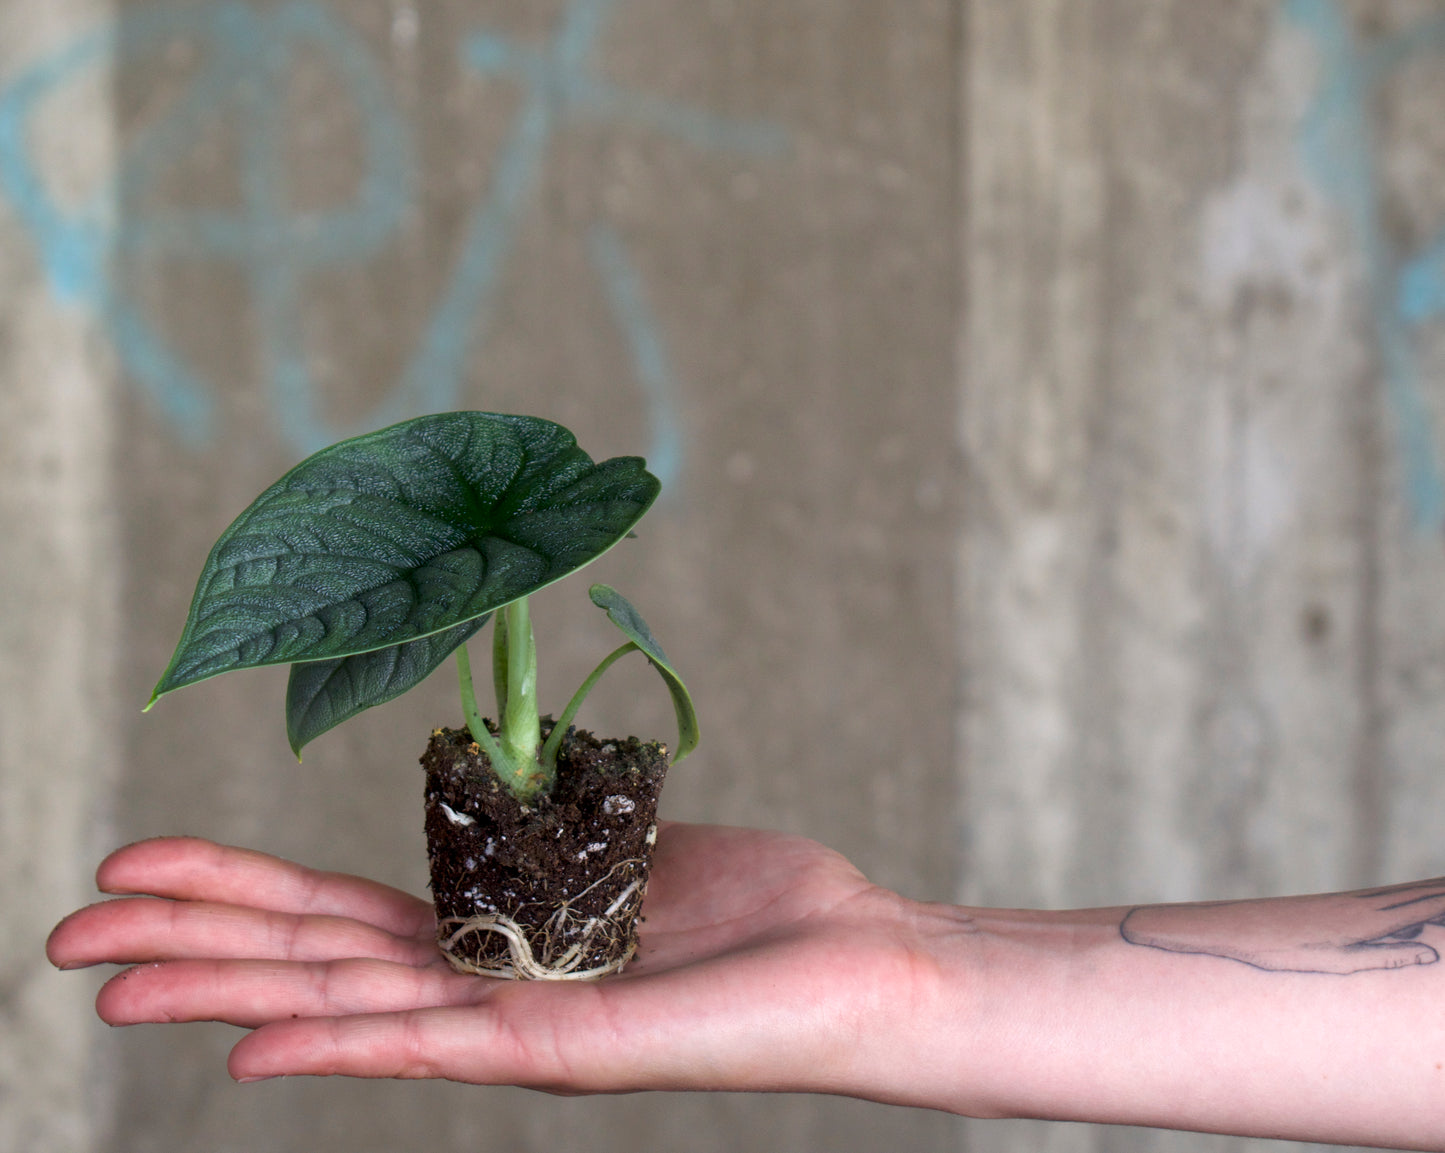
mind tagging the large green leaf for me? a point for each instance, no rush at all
(621, 613)
(390, 537)
(322, 694)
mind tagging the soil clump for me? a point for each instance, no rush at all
(549, 890)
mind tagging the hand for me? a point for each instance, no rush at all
(767, 962)
(1332, 933)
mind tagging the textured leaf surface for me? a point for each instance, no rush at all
(322, 694)
(390, 537)
(621, 613)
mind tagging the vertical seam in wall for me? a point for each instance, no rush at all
(1370, 785)
(57, 504)
(958, 199)
(104, 687)
(1094, 704)
(958, 855)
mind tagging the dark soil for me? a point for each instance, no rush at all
(583, 850)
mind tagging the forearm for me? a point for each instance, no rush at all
(1063, 1016)
(770, 963)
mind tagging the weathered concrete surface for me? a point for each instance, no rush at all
(58, 755)
(1201, 452)
(1160, 274)
(745, 276)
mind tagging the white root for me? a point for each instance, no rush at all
(622, 898)
(524, 964)
(552, 965)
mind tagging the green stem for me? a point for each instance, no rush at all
(478, 727)
(521, 724)
(559, 730)
(499, 661)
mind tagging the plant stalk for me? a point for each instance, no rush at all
(520, 723)
(515, 756)
(478, 727)
(559, 730)
(499, 662)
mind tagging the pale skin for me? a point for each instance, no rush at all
(769, 963)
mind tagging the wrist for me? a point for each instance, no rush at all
(1059, 1016)
(1007, 1034)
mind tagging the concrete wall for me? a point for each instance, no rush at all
(59, 756)
(1200, 379)
(1046, 397)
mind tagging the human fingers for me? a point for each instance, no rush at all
(251, 993)
(139, 929)
(191, 869)
(615, 1036)
(808, 1009)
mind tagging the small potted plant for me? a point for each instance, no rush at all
(371, 562)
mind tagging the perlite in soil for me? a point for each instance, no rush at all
(370, 563)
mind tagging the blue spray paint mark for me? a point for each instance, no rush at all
(1422, 285)
(1337, 141)
(248, 53)
(75, 247)
(72, 248)
(558, 84)
(628, 299)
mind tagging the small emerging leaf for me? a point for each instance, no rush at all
(392, 537)
(322, 694)
(621, 613)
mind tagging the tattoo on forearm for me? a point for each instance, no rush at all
(1338, 933)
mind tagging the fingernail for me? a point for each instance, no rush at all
(253, 1080)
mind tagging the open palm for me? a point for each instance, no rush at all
(766, 962)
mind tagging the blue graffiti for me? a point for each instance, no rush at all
(1422, 285)
(1336, 139)
(558, 84)
(248, 52)
(629, 306)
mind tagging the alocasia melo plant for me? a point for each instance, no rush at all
(372, 561)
